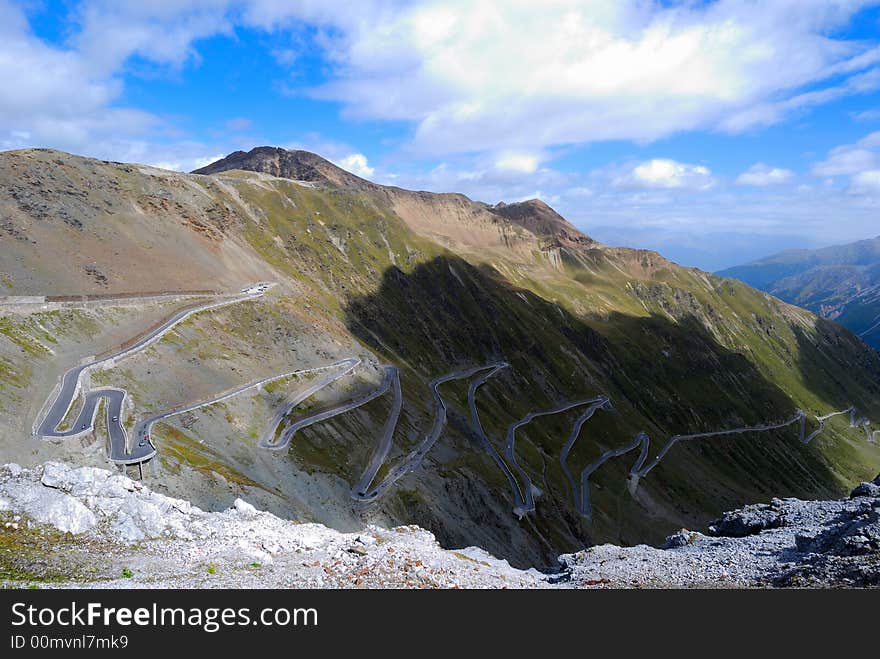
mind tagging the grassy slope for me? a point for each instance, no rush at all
(678, 351)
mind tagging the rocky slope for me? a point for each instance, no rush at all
(431, 283)
(785, 543)
(841, 283)
(543, 221)
(84, 527)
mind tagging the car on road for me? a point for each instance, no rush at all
(115, 419)
(143, 442)
(84, 426)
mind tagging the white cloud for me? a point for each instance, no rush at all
(204, 161)
(579, 191)
(173, 166)
(357, 164)
(612, 70)
(761, 175)
(851, 158)
(867, 182)
(769, 113)
(488, 177)
(867, 115)
(468, 74)
(510, 161)
(663, 173)
(52, 96)
(111, 31)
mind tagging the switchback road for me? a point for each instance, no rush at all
(510, 448)
(57, 407)
(412, 461)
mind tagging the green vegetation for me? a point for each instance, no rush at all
(21, 338)
(34, 553)
(182, 448)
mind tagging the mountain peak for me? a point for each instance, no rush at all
(539, 218)
(287, 163)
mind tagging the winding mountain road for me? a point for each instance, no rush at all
(585, 507)
(386, 441)
(58, 404)
(278, 436)
(391, 376)
(412, 461)
(863, 423)
(528, 503)
(338, 370)
(142, 428)
(477, 427)
(641, 467)
(600, 402)
(362, 491)
(822, 419)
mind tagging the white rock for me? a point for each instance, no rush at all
(244, 508)
(82, 481)
(55, 475)
(185, 507)
(127, 529)
(271, 547)
(62, 511)
(147, 516)
(14, 469)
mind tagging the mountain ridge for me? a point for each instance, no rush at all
(533, 215)
(841, 282)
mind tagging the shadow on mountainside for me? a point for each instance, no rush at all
(833, 371)
(663, 377)
(843, 371)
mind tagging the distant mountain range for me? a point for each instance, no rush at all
(841, 283)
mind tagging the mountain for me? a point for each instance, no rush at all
(284, 163)
(841, 283)
(415, 285)
(541, 220)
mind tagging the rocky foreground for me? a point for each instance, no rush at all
(85, 527)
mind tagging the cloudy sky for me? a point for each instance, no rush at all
(715, 132)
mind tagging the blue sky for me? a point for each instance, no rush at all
(714, 132)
